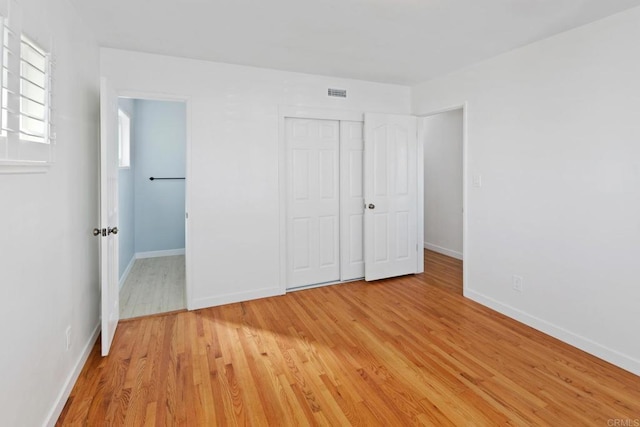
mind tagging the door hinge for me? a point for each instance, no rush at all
(186, 215)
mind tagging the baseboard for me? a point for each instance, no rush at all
(321, 285)
(157, 254)
(612, 356)
(233, 298)
(61, 400)
(127, 271)
(443, 251)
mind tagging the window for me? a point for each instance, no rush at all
(124, 139)
(34, 93)
(26, 132)
(7, 47)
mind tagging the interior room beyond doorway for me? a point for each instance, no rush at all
(443, 139)
(151, 197)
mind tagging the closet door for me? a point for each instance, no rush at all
(313, 202)
(390, 175)
(351, 200)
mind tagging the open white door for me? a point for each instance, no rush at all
(390, 194)
(109, 213)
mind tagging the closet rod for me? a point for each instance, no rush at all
(153, 178)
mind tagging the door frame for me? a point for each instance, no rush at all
(155, 96)
(298, 112)
(465, 187)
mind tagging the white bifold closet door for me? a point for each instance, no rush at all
(313, 201)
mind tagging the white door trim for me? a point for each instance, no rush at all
(420, 195)
(156, 96)
(466, 286)
(300, 112)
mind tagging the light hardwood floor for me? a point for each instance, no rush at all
(154, 285)
(406, 351)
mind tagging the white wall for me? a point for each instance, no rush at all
(48, 257)
(553, 129)
(233, 178)
(443, 182)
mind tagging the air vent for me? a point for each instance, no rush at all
(337, 93)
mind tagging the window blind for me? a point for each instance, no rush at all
(34, 90)
(25, 96)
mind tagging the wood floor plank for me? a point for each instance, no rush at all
(405, 351)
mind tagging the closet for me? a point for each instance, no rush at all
(351, 206)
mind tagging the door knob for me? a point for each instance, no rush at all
(372, 206)
(97, 232)
(113, 230)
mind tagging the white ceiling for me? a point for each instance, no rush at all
(393, 41)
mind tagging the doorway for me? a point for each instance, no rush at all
(151, 199)
(443, 147)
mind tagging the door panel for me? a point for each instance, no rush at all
(328, 231)
(109, 213)
(301, 255)
(328, 174)
(300, 174)
(351, 200)
(402, 225)
(313, 206)
(380, 159)
(354, 174)
(381, 237)
(390, 168)
(356, 243)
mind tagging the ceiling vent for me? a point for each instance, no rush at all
(337, 93)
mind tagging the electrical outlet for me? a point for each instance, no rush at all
(477, 181)
(68, 334)
(517, 283)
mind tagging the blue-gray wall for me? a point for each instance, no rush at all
(159, 151)
(125, 199)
